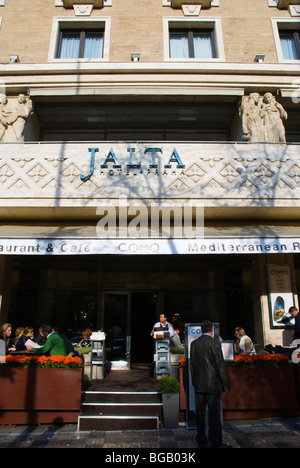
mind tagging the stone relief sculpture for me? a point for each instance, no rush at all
(13, 116)
(262, 118)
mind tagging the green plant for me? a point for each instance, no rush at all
(176, 350)
(168, 385)
(83, 349)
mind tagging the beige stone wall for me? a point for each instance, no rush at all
(137, 25)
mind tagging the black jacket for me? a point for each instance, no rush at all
(208, 368)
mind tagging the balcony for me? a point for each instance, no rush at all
(71, 3)
(179, 3)
(286, 3)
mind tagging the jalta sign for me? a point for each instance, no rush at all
(111, 161)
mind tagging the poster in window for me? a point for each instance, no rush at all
(281, 296)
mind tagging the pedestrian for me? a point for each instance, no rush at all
(209, 379)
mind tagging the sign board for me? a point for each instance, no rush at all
(281, 296)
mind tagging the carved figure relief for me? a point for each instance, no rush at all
(13, 116)
(262, 118)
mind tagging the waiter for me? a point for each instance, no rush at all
(163, 325)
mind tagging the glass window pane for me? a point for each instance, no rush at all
(93, 45)
(203, 45)
(69, 45)
(179, 47)
(288, 47)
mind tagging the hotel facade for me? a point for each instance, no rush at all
(149, 163)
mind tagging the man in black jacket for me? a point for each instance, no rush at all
(209, 378)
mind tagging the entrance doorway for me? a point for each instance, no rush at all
(128, 318)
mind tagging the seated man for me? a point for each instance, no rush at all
(54, 345)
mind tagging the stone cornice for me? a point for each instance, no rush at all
(79, 68)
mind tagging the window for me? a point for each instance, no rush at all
(290, 45)
(74, 39)
(191, 44)
(287, 39)
(74, 44)
(193, 39)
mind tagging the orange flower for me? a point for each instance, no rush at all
(42, 361)
(257, 360)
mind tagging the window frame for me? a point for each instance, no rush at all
(60, 24)
(279, 26)
(213, 25)
(82, 36)
(190, 36)
(296, 37)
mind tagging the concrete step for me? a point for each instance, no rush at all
(121, 409)
(117, 423)
(120, 397)
(111, 411)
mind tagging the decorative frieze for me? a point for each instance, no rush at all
(212, 173)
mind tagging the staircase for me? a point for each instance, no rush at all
(113, 411)
(123, 400)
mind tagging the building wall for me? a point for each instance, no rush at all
(138, 27)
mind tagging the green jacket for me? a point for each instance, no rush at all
(54, 345)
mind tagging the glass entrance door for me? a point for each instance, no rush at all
(116, 325)
(127, 320)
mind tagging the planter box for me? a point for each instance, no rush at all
(260, 393)
(174, 358)
(37, 396)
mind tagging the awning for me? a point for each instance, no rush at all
(219, 238)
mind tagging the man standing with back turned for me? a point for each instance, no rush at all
(209, 378)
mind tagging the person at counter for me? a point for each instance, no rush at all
(54, 345)
(243, 344)
(163, 325)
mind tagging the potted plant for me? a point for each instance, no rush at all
(169, 388)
